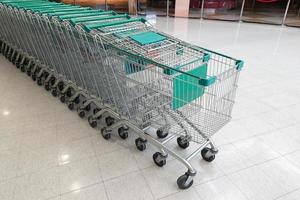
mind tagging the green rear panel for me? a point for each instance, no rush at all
(187, 88)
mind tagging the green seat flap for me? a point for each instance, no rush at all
(147, 38)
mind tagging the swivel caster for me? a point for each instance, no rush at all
(140, 144)
(109, 121)
(39, 81)
(106, 134)
(77, 100)
(185, 181)
(18, 65)
(22, 68)
(47, 86)
(161, 134)
(60, 86)
(183, 142)
(28, 72)
(69, 93)
(208, 154)
(62, 98)
(96, 110)
(54, 92)
(81, 113)
(123, 132)
(33, 76)
(159, 159)
(87, 108)
(71, 106)
(92, 122)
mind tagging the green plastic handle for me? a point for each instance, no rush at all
(62, 13)
(90, 13)
(90, 27)
(96, 18)
(60, 10)
(239, 65)
(40, 7)
(208, 81)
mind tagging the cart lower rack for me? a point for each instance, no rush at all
(122, 74)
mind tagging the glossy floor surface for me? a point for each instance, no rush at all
(48, 152)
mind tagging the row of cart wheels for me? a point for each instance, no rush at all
(59, 89)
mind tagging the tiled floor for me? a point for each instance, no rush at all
(48, 152)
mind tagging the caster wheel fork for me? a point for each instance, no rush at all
(186, 180)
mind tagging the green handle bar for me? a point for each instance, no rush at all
(91, 13)
(96, 18)
(90, 27)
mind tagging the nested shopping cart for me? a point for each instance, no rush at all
(135, 78)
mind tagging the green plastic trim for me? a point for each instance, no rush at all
(90, 27)
(96, 18)
(206, 57)
(239, 65)
(41, 7)
(209, 81)
(62, 13)
(88, 14)
(61, 10)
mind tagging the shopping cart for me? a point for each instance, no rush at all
(127, 73)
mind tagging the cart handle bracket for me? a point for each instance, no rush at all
(239, 65)
(209, 81)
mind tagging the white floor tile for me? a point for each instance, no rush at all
(38, 186)
(75, 150)
(76, 175)
(94, 192)
(256, 185)
(8, 164)
(7, 190)
(131, 186)
(280, 142)
(116, 163)
(295, 195)
(220, 189)
(34, 160)
(190, 194)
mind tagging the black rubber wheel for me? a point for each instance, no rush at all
(18, 65)
(69, 93)
(161, 134)
(39, 81)
(47, 86)
(109, 121)
(207, 154)
(81, 113)
(33, 76)
(87, 108)
(96, 110)
(159, 159)
(71, 106)
(181, 182)
(123, 133)
(105, 134)
(62, 98)
(92, 122)
(77, 100)
(54, 92)
(28, 72)
(52, 81)
(140, 144)
(22, 68)
(182, 142)
(60, 86)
